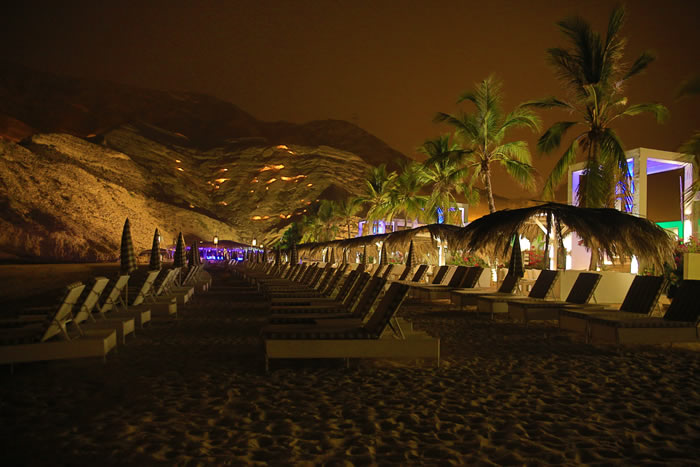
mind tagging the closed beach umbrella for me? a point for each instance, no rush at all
(127, 256)
(155, 264)
(332, 258)
(345, 256)
(294, 255)
(364, 255)
(180, 257)
(410, 256)
(383, 258)
(193, 256)
(278, 257)
(264, 256)
(516, 258)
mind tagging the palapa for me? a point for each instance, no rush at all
(613, 232)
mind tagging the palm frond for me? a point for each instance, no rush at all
(560, 169)
(640, 64)
(551, 139)
(689, 87)
(521, 172)
(660, 111)
(548, 103)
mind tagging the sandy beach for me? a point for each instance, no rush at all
(195, 393)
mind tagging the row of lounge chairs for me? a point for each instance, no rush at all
(92, 320)
(329, 312)
(631, 322)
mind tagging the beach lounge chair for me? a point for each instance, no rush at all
(113, 303)
(526, 310)
(463, 278)
(330, 300)
(679, 323)
(417, 277)
(367, 340)
(351, 287)
(639, 302)
(497, 303)
(83, 317)
(470, 296)
(357, 305)
(49, 339)
(145, 299)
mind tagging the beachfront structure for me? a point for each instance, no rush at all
(659, 180)
(383, 226)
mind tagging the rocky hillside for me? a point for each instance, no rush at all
(77, 158)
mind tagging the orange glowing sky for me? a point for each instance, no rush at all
(387, 66)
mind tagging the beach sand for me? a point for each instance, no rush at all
(195, 393)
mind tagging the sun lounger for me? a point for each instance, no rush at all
(470, 296)
(113, 304)
(145, 299)
(417, 277)
(679, 323)
(360, 300)
(49, 339)
(497, 303)
(340, 296)
(367, 340)
(639, 302)
(463, 278)
(526, 310)
(83, 317)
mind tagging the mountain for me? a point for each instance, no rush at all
(77, 157)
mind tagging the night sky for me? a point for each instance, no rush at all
(386, 66)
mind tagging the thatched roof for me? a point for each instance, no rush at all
(609, 230)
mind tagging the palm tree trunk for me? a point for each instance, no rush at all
(489, 191)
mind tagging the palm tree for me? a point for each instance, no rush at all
(405, 199)
(320, 226)
(377, 192)
(345, 210)
(594, 72)
(691, 148)
(446, 175)
(481, 135)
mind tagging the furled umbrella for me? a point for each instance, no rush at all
(345, 256)
(193, 255)
(264, 256)
(331, 260)
(278, 257)
(410, 257)
(294, 255)
(383, 257)
(180, 257)
(364, 255)
(127, 256)
(515, 266)
(155, 263)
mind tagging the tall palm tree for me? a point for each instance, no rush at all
(377, 192)
(320, 226)
(593, 70)
(691, 148)
(445, 173)
(482, 133)
(405, 199)
(345, 210)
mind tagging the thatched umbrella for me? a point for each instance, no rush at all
(180, 257)
(608, 230)
(155, 262)
(515, 266)
(127, 256)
